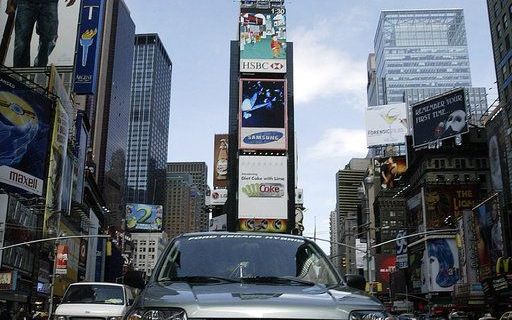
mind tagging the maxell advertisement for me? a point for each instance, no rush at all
(88, 48)
(439, 118)
(263, 115)
(262, 182)
(263, 40)
(448, 200)
(143, 217)
(489, 235)
(386, 124)
(391, 170)
(220, 175)
(25, 130)
(38, 40)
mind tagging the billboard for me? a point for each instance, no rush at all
(401, 249)
(263, 40)
(220, 158)
(25, 129)
(38, 40)
(440, 265)
(61, 265)
(218, 197)
(263, 192)
(263, 114)
(439, 118)
(415, 216)
(489, 236)
(391, 170)
(88, 49)
(219, 223)
(386, 124)
(443, 201)
(386, 264)
(263, 225)
(143, 217)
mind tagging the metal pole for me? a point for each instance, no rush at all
(53, 239)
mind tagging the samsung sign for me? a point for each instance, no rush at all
(88, 48)
(263, 137)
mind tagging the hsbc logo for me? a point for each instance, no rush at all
(262, 66)
(277, 66)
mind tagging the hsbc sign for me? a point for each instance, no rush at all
(263, 65)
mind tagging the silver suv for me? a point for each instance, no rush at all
(249, 276)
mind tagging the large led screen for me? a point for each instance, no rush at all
(386, 124)
(263, 40)
(263, 114)
(263, 191)
(143, 217)
(439, 118)
(48, 37)
(25, 129)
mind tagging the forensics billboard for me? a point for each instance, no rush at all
(143, 217)
(25, 131)
(263, 40)
(263, 192)
(263, 114)
(38, 40)
(386, 124)
(439, 118)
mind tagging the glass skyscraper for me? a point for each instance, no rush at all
(149, 121)
(418, 49)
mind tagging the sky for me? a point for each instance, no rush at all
(332, 39)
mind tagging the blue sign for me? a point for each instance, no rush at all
(88, 46)
(263, 137)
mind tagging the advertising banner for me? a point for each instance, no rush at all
(439, 118)
(401, 250)
(489, 235)
(25, 131)
(443, 201)
(386, 264)
(415, 267)
(38, 40)
(263, 191)
(360, 254)
(219, 223)
(440, 265)
(4, 202)
(415, 211)
(220, 176)
(263, 114)
(61, 266)
(469, 260)
(263, 225)
(263, 40)
(88, 46)
(386, 124)
(391, 170)
(143, 217)
(82, 257)
(218, 197)
(497, 137)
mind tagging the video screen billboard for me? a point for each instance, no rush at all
(25, 130)
(263, 114)
(386, 124)
(391, 170)
(263, 40)
(439, 118)
(263, 225)
(263, 192)
(38, 40)
(489, 235)
(143, 217)
(220, 158)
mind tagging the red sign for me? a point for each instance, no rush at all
(61, 266)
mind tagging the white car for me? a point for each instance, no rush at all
(95, 300)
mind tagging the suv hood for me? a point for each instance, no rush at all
(89, 310)
(243, 300)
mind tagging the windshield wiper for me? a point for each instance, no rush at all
(277, 280)
(199, 279)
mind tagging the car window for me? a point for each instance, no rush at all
(240, 256)
(97, 294)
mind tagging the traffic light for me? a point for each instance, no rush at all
(344, 262)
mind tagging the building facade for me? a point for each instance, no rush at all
(147, 248)
(149, 121)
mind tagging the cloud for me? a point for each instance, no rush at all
(339, 143)
(321, 70)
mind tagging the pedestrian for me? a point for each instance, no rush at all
(42, 14)
(21, 315)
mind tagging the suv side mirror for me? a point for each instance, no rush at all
(355, 281)
(135, 279)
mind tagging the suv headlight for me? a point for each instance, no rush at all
(157, 314)
(59, 318)
(370, 315)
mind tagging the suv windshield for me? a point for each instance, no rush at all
(98, 294)
(246, 257)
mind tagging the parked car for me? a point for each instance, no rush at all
(95, 300)
(249, 275)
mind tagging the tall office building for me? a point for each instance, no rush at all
(108, 108)
(199, 175)
(149, 121)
